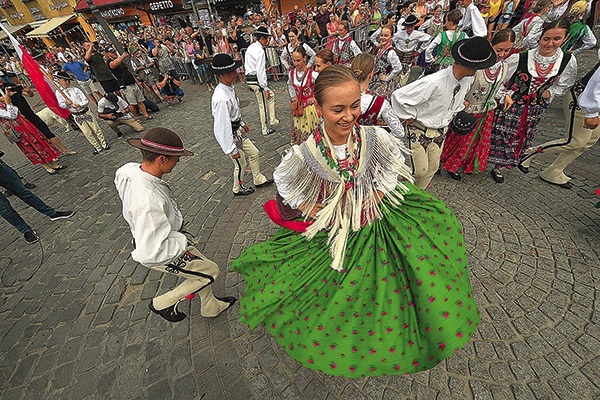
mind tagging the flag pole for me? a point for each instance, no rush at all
(47, 75)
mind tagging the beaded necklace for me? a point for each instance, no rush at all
(345, 168)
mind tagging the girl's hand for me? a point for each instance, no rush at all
(508, 102)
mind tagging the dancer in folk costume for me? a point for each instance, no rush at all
(345, 48)
(581, 37)
(470, 151)
(288, 50)
(536, 78)
(20, 131)
(301, 86)
(439, 50)
(581, 107)
(433, 26)
(374, 109)
(529, 30)
(409, 42)
(387, 65)
(358, 284)
(429, 104)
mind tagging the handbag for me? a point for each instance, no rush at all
(463, 123)
(12, 135)
(296, 107)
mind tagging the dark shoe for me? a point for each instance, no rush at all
(59, 167)
(244, 191)
(270, 131)
(107, 147)
(61, 215)
(497, 175)
(266, 183)
(52, 171)
(566, 185)
(523, 168)
(228, 299)
(170, 313)
(29, 185)
(95, 152)
(454, 175)
(119, 135)
(31, 237)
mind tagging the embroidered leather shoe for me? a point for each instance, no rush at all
(523, 168)
(170, 313)
(244, 191)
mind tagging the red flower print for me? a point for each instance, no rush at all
(514, 87)
(392, 350)
(333, 366)
(316, 344)
(459, 334)
(353, 331)
(352, 368)
(373, 351)
(396, 367)
(446, 314)
(523, 76)
(274, 326)
(332, 346)
(371, 333)
(354, 349)
(442, 346)
(416, 363)
(310, 361)
(410, 343)
(431, 299)
(320, 327)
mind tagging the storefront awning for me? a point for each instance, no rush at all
(12, 30)
(49, 26)
(82, 5)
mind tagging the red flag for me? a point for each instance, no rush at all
(37, 77)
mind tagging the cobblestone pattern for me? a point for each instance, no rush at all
(78, 326)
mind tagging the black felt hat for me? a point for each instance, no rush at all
(223, 63)
(62, 75)
(261, 31)
(410, 20)
(474, 53)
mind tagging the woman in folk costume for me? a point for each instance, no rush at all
(536, 78)
(288, 50)
(374, 109)
(387, 65)
(470, 151)
(344, 47)
(301, 84)
(529, 30)
(432, 26)
(581, 37)
(439, 50)
(27, 137)
(371, 277)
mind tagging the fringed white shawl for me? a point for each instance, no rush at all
(310, 180)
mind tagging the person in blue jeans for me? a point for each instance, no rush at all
(11, 181)
(169, 88)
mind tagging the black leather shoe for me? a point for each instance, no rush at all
(454, 175)
(497, 175)
(270, 131)
(227, 299)
(170, 313)
(266, 183)
(244, 191)
(95, 152)
(566, 185)
(523, 168)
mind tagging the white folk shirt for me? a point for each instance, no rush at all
(256, 63)
(225, 110)
(432, 100)
(589, 99)
(407, 43)
(104, 104)
(75, 95)
(152, 215)
(473, 21)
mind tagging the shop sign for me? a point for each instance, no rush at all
(57, 6)
(113, 13)
(162, 5)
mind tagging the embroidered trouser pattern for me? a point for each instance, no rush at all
(426, 152)
(199, 274)
(91, 130)
(247, 148)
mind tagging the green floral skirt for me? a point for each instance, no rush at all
(403, 303)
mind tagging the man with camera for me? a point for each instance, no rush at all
(169, 88)
(115, 111)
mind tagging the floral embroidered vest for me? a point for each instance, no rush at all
(382, 64)
(370, 116)
(304, 91)
(521, 81)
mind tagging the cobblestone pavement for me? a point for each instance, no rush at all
(76, 325)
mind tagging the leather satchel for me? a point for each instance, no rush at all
(296, 107)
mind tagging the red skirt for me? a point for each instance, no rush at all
(469, 152)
